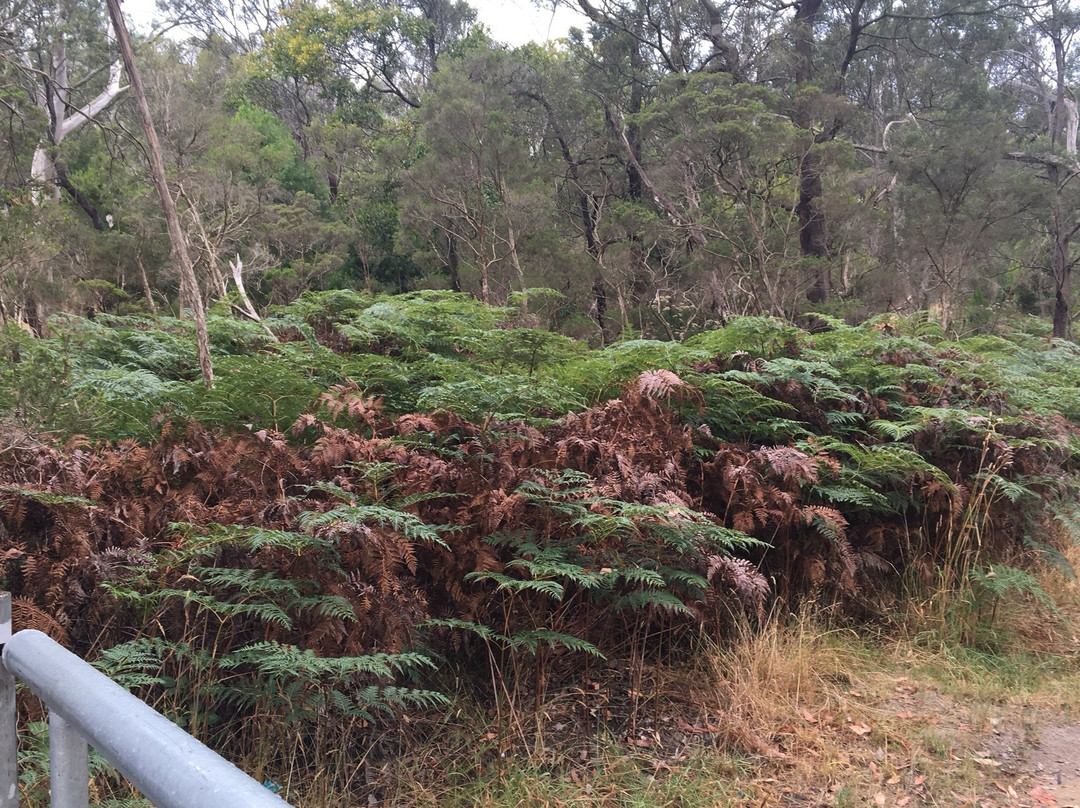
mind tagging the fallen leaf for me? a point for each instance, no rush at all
(809, 717)
(879, 799)
(983, 761)
(892, 781)
(906, 714)
(902, 801)
(860, 729)
(1043, 797)
(708, 728)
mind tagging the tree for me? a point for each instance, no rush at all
(59, 52)
(1039, 74)
(188, 282)
(473, 161)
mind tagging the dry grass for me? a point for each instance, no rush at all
(798, 712)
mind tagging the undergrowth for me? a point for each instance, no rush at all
(388, 505)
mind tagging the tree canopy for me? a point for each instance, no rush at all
(673, 165)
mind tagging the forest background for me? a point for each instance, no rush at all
(547, 380)
(671, 165)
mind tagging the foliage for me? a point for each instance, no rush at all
(322, 541)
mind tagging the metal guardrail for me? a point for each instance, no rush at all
(170, 767)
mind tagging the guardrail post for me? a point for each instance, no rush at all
(69, 779)
(9, 739)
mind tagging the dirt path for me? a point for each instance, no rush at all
(1052, 765)
(961, 755)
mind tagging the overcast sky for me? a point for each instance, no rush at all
(514, 22)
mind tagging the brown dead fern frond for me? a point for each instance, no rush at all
(791, 465)
(663, 385)
(740, 577)
(25, 614)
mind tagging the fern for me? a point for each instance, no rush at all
(348, 517)
(207, 542)
(532, 640)
(551, 589)
(640, 599)
(505, 397)
(995, 581)
(893, 430)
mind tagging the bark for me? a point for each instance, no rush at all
(632, 135)
(145, 283)
(586, 213)
(54, 97)
(511, 242)
(600, 307)
(813, 240)
(1072, 125)
(1060, 265)
(189, 284)
(80, 198)
(237, 268)
(247, 310)
(725, 57)
(452, 262)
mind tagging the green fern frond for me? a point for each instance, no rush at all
(895, 430)
(552, 589)
(480, 630)
(997, 580)
(659, 599)
(533, 639)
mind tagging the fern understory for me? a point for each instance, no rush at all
(388, 508)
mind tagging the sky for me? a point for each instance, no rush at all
(514, 22)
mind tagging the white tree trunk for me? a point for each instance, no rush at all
(1072, 124)
(65, 119)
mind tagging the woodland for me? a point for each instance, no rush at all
(510, 382)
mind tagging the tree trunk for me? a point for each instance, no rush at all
(61, 175)
(149, 295)
(813, 242)
(53, 95)
(452, 262)
(189, 284)
(812, 238)
(1060, 265)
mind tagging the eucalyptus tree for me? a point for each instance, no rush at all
(465, 187)
(189, 284)
(1039, 72)
(336, 72)
(63, 57)
(377, 48)
(61, 75)
(573, 151)
(741, 40)
(846, 70)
